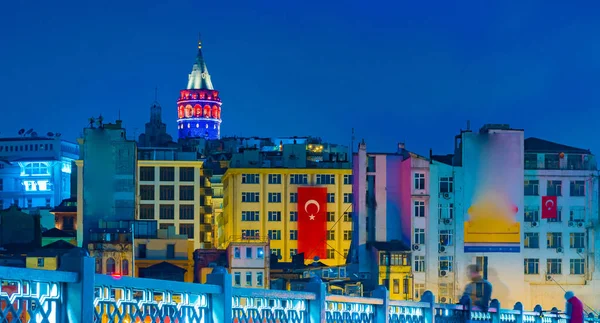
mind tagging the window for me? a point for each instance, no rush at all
(531, 266)
(167, 192)
(293, 216)
(348, 179)
(419, 236)
(347, 197)
(419, 290)
(251, 197)
(347, 235)
(98, 265)
(250, 179)
(577, 240)
(276, 252)
(260, 253)
(274, 216)
(399, 259)
(554, 266)
(330, 216)
(47, 202)
(248, 278)
(237, 253)
(166, 212)
(147, 192)
(275, 234)
(141, 250)
(146, 174)
(446, 185)
(125, 267)
(293, 234)
(532, 188)
(558, 216)
(274, 178)
(35, 169)
(531, 214)
(396, 288)
(554, 240)
(250, 216)
(330, 235)
(371, 166)
(293, 197)
(186, 174)
(446, 211)
(186, 212)
(146, 211)
(167, 174)
(419, 181)
(293, 252)
(250, 234)
(554, 188)
(551, 161)
(577, 188)
(170, 251)
(419, 209)
(419, 264)
(325, 179)
(330, 254)
(299, 179)
(532, 240)
(111, 267)
(40, 262)
(446, 238)
(237, 278)
(346, 253)
(576, 161)
(577, 266)
(330, 197)
(186, 193)
(577, 214)
(445, 263)
(259, 279)
(187, 229)
(348, 217)
(274, 197)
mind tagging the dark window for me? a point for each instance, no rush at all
(186, 174)
(167, 192)
(167, 212)
(187, 229)
(170, 251)
(146, 211)
(167, 174)
(147, 174)
(577, 188)
(186, 211)
(141, 250)
(186, 193)
(147, 192)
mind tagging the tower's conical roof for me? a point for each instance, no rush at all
(199, 78)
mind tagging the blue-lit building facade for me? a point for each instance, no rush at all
(199, 105)
(35, 172)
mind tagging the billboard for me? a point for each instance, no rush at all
(493, 190)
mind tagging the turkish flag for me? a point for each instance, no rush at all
(549, 207)
(312, 222)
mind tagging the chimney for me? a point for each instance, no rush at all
(401, 146)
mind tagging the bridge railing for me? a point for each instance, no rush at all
(77, 295)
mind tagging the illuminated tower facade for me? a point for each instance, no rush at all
(199, 105)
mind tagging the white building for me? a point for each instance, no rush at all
(551, 255)
(249, 263)
(35, 172)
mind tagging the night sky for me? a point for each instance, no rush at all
(412, 71)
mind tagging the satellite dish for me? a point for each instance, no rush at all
(21, 132)
(29, 131)
(50, 134)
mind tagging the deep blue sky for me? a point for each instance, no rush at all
(410, 71)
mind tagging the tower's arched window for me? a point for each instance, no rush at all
(36, 169)
(110, 266)
(125, 267)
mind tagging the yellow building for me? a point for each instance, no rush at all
(394, 269)
(175, 193)
(151, 254)
(263, 202)
(48, 256)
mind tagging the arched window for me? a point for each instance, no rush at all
(110, 266)
(35, 169)
(98, 265)
(125, 267)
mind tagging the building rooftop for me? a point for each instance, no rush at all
(393, 245)
(537, 145)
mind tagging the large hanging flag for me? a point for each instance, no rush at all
(312, 222)
(549, 207)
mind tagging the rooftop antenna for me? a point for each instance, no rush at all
(119, 115)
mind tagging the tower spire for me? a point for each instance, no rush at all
(199, 79)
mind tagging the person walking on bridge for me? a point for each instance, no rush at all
(479, 289)
(574, 308)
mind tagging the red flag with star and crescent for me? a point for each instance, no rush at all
(549, 207)
(312, 222)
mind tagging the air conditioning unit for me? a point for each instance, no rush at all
(416, 247)
(443, 300)
(580, 250)
(442, 249)
(534, 224)
(580, 224)
(559, 249)
(443, 273)
(549, 278)
(447, 221)
(446, 196)
(571, 223)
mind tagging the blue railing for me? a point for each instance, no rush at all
(79, 295)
